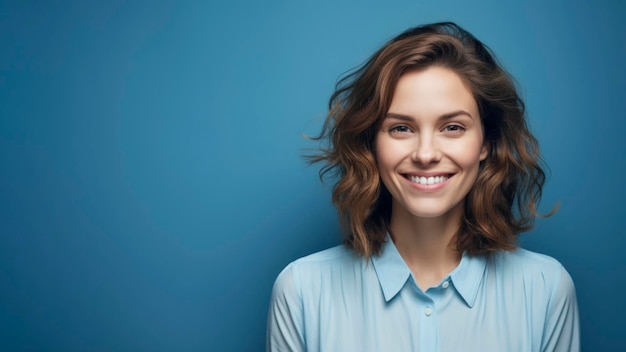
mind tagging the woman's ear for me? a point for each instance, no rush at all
(484, 151)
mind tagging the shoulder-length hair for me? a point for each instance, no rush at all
(501, 204)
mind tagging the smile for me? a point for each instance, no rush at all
(431, 180)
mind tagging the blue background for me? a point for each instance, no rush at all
(151, 179)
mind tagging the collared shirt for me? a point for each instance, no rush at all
(335, 300)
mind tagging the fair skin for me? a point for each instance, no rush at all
(428, 151)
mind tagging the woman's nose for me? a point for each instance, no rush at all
(426, 151)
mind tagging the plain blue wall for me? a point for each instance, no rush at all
(151, 179)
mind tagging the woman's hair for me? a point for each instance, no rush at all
(501, 204)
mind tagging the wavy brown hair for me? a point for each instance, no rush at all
(501, 204)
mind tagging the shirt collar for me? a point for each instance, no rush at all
(468, 276)
(391, 269)
(392, 273)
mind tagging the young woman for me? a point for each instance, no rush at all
(437, 175)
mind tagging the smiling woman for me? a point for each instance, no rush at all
(438, 174)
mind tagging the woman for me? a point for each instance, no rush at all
(437, 175)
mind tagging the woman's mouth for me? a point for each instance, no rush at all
(428, 180)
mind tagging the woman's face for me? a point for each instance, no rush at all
(430, 143)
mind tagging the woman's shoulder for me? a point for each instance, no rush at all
(298, 280)
(331, 255)
(524, 256)
(548, 291)
(534, 270)
(318, 270)
(525, 260)
(323, 261)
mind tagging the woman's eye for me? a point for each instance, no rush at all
(400, 129)
(454, 129)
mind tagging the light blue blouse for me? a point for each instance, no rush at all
(509, 301)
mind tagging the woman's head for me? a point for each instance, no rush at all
(502, 200)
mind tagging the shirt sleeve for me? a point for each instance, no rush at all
(285, 322)
(562, 329)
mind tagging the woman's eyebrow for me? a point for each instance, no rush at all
(446, 116)
(399, 117)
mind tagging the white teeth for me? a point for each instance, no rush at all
(428, 180)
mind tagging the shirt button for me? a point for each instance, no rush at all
(428, 312)
(445, 284)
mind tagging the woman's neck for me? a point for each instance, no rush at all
(427, 244)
